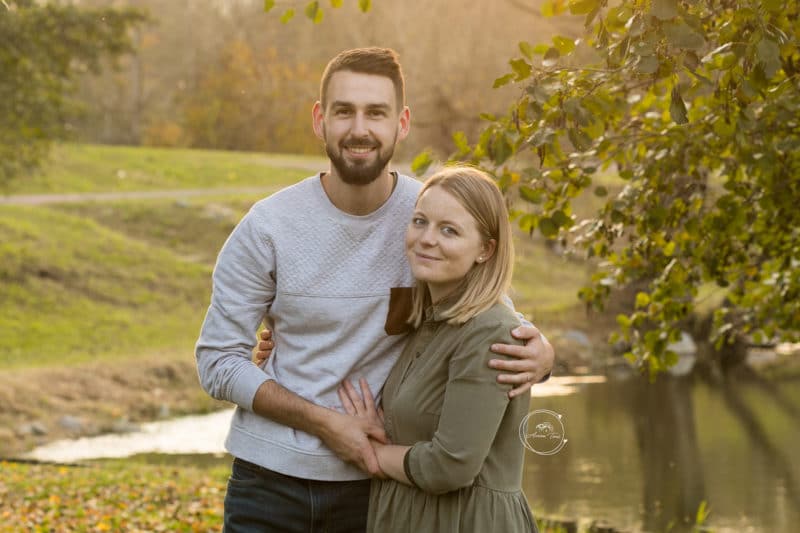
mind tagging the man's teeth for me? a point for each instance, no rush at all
(360, 150)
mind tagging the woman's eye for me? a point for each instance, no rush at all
(417, 221)
(449, 231)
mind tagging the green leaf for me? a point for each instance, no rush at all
(461, 142)
(501, 149)
(600, 191)
(528, 223)
(561, 219)
(314, 12)
(677, 108)
(551, 57)
(682, 36)
(336, 3)
(268, 4)
(582, 7)
(527, 50)
(503, 80)
(421, 163)
(579, 139)
(669, 249)
(648, 64)
(530, 194)
(364, 5)
(521, 68)
(548, 228)
(769, 54)
(563, 45)
(642, 300)
(552, 7)
(664, 9)
(287, 15)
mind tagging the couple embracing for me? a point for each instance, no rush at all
(387, 402)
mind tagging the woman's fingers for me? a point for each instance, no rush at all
(346, 402)
(369, 401)
(354, 397)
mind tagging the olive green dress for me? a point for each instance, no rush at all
(466, 462)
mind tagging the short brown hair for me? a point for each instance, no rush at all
(486, 283)
(377, 61)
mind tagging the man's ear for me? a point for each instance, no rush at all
(318, 120)
(404, 124)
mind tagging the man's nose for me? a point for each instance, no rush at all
(360, 127)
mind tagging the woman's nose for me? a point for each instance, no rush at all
(428, 237)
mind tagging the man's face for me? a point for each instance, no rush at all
(360, 125)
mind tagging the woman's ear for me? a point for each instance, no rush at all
(488, 249)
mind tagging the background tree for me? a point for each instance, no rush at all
(695, 106)
(45, 47)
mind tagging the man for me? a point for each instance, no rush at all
(323, 261)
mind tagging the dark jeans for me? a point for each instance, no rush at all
(263, 501)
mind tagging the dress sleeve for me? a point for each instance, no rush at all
(243, 290)
(473, 408)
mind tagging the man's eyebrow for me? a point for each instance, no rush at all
(371, 107)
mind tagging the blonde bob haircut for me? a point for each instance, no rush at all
(485, 283)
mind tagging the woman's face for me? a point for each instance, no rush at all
(443, 242)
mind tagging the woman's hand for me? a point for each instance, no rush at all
(357, 406)
(265, 346)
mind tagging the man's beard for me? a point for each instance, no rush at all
(362, 172)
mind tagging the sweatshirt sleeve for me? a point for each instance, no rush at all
(242, 292)
(473, 408)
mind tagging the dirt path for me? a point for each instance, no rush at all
(43, 199)
(65, 198)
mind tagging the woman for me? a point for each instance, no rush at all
(456, 459)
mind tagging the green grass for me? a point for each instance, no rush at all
(545, 285)
(96, 168)
(131, 278)
(73, 290)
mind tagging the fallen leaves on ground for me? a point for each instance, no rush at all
(110, 497)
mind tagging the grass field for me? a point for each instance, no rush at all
(100, 305)
(96, 168)
(87, 281)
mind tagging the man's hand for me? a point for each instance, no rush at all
(349, 438)
(534, 360)
(265, 346)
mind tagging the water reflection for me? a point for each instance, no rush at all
(640, 456)
(185, 435)
(644, 456)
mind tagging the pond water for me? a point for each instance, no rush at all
(642, 456)
(639, 456)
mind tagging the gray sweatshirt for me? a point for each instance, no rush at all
(322, 279)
